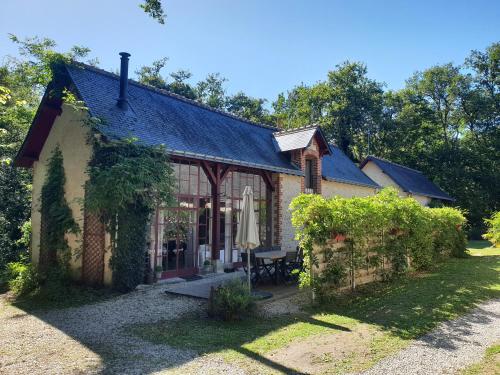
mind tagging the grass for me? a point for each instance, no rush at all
(400, 311)
(490, 365)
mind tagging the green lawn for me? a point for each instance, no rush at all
(396, 312)
(490, 365)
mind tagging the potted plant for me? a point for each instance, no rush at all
(158, 271)
(207, 267)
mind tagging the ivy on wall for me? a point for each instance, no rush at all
(56, 217)
(127, 181)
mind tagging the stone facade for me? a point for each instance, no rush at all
(290, 188)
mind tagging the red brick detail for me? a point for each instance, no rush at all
(299, 158)
(277, 209)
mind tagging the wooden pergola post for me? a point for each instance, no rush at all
(216, 213)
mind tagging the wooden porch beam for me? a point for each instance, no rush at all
(216, 212)
(266, 176)
(226, 170)
(208, 171)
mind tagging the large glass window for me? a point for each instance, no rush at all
(184, 229)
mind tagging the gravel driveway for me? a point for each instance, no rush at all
(91, 339)
(452, 346)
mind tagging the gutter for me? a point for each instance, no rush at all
(351, 182)
(235, 162)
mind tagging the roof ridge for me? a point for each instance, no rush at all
(391, 162)
(174, 96)
(295, 130)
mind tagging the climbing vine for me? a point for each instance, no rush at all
(127, 180)
(56, 216)
(377, 230)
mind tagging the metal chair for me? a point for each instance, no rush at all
(255, 267)
(294, 262)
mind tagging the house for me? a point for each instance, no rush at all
(408, 181)
(214, 155)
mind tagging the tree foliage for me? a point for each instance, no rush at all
(211, 91)
(22, 83)
(444, 122)
(493, 232)
(127, 181)
(154, 9)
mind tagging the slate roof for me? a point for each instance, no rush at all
(339, 168)
(410, 180)
(185, 127)
(295, 139)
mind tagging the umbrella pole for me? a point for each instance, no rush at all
(249, 271)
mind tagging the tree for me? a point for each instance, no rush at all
(154, 9)
(22, 82)
(211, 91)
(247, 107)
(150, 75)
(348, 105)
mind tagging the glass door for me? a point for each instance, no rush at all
(179, 238)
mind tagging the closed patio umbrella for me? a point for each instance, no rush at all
(247, 236)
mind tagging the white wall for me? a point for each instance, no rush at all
(331, 188)
(377, 175)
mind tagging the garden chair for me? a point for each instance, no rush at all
(294, 264)
(255, 267)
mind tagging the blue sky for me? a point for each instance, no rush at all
(264, 47)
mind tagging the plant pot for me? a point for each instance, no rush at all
(207, 269)
(149, 278)
(340, 237)
(158, 275)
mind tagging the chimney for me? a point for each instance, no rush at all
(122, 99)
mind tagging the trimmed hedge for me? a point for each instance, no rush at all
(397, 229)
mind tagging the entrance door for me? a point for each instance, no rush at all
(179, 239)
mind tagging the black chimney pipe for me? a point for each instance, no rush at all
(122, 99)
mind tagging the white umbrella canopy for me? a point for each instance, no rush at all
(247, 236)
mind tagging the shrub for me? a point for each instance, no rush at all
(231, 301)
(493, 232)
(22, 278)
(396, 229)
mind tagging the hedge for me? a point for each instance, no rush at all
(396, 229)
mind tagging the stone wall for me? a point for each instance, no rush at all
(290, 188)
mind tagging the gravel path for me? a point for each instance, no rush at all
(452, 346)
(92, 338)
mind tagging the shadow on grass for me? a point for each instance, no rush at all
(479, 244)
(406, 308)
(411, 307)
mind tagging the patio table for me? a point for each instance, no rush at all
(277, 257)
